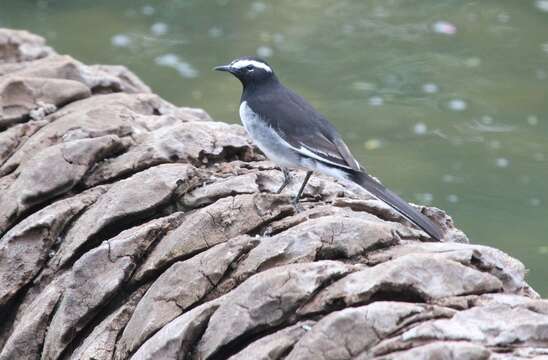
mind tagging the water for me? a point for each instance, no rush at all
(445, 101)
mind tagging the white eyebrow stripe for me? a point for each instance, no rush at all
(243, 63)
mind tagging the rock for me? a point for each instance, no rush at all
(20, 97)
(96, 277)
(25, 249)
(212, 225)
(275, 346)
(52, 172)
(134, 229)
(265, 301)
(118, 78)
(352, 333)
(181, 286)
(13, 137)
(416, 277)
(443, 350)
(177, 338)
(27, 337)
(84, 119)
(484, 325)
(101, 343)
(328, 237)
(508, 270)
(127, 201)
(36, 88)
(195, 142)
(20, 45)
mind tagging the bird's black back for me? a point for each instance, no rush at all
(297, 121)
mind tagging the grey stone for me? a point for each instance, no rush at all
(177, 338)
(27, 337)
(485, 325)
(351, 333)
(21, 45)
(52, 172)
(12, 138)
(442, 350)
(142, 193)
(507, 269)
(96, 277)
(181, 286)
(265, 301)
(194, 142)
(84, 119)
(19, 96)
(101, 342)
(212, 225)
(275, 346)
(25, 249)
(417, 276)
(332, 236)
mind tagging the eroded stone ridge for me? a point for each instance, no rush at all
(134, 229)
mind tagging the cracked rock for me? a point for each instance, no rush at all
(20, 96)
(508, 270)
(177, 338)
(25, 249)
(217, 223)
(101, 343)
(352, 333)
(21, 45)
(96, 277)
(325, 237)
(275, 346)
(266, 300)
(52, 172)
(181, 286)
(179, 141)
(482, 325)
(27, 337)
(126, 201)
(418, 277)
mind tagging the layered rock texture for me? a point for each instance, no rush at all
(134, 229)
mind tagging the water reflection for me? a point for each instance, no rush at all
(542, 5)
(159, 28)
(444, 101)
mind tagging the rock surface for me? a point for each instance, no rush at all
(134, 229)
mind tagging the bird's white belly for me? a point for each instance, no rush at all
(277, 149)
(270, 143)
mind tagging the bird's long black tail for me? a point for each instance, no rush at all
(378, 190)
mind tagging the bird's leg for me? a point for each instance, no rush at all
(287, 179)
(296, 200)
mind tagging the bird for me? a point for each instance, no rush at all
(294, 135)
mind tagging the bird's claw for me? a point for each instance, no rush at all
(287, 179)
(297, 205)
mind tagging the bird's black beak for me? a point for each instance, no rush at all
(223, 68)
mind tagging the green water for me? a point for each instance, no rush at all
(445, 101)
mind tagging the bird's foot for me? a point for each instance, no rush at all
(297, 205)
(287, 179)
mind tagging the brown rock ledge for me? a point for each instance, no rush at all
(134, 229)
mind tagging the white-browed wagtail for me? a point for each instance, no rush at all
(291, 133)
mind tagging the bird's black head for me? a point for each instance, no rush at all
(249, 70)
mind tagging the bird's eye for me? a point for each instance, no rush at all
(249, 67)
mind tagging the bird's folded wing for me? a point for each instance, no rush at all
(304, 128)
(317, 146)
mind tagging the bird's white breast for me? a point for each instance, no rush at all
(270, 143)
(277, 149)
